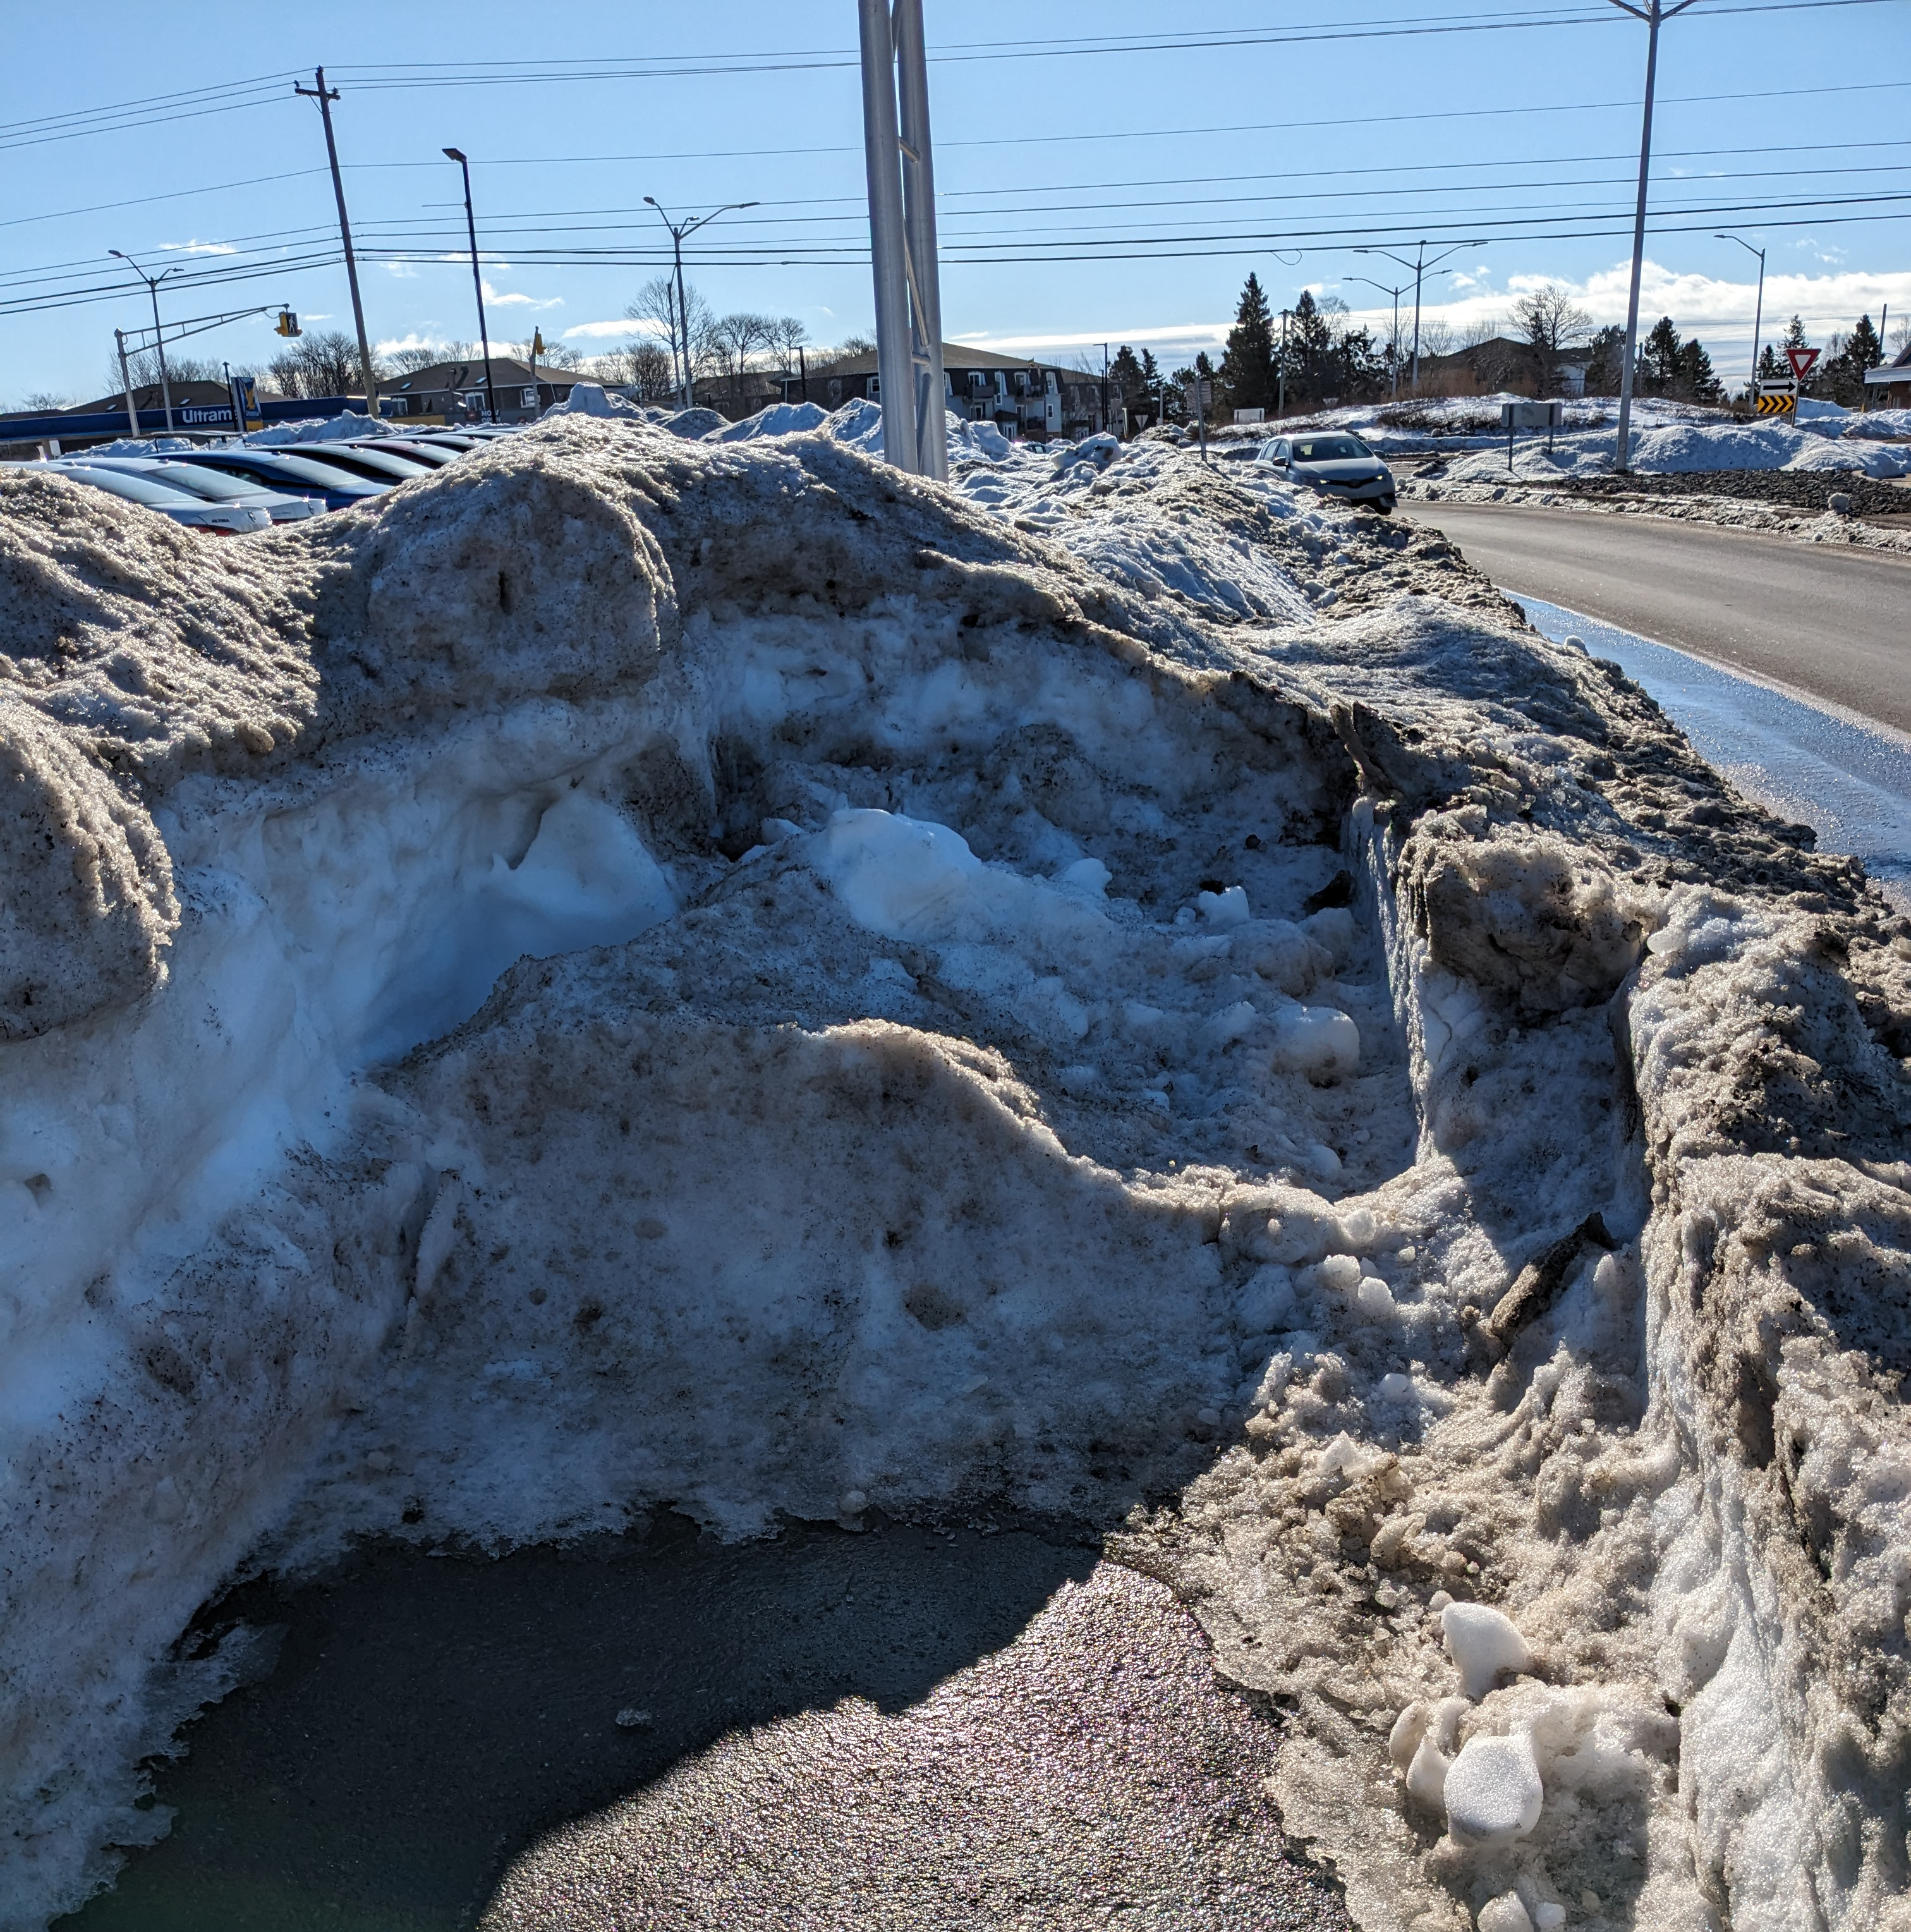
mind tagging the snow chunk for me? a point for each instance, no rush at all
(1321, 1042)
(1223, 909)
(901, 877)
(1507, 1913)
(1482, 1641)
(1493, 1791)
(592, 399)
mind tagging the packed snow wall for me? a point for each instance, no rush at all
(641, 972)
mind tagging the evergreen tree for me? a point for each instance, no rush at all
(1658, 373)
(1130, 384)
(1839, 375)
(1794, 336)
(1150, 369)
(1697, 383)
(1771, 370)
(1609, 355)
(1311, 361)
(1247, 366)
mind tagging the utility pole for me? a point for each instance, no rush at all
(902, 235)
(1758, 312)
(324, 96)
(152, 283)
(1105, 412)
(686, 385)
(126, 381)
(1280, 405)
(477, 280)
(1653, 13)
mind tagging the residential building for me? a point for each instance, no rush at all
(1022, 397)
(454, 391)
(1499, 364)
(1888, 386)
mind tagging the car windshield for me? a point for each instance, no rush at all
(214, 485)
(1329, 448)
(134, 487)
(303, 469)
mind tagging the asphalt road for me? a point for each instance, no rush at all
(905, 1729)
(1833, 623)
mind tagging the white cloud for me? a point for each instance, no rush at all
(513, 298)
(199, 248)
(596, 331)
(1717, 310)
(1198, 335)
(403, 271)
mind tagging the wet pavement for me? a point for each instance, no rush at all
(907, 1727)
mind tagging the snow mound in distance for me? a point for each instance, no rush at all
(592, 399)
(859, 424)
(779, 419)
(641, 971)
(352, 426)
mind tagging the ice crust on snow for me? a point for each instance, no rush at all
(644, 970)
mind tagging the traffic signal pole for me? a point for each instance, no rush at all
(324, 96)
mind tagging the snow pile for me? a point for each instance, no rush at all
(643, 970)
(1873, 459)
(859, 424)
(779, 419)
(1883, 423)
(592, 399)
(350, 426)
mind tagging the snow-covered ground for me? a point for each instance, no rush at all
(642, 969)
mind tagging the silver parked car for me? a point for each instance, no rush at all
(224, 520)
(1332, 461)
(192, 479)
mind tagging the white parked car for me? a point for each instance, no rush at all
(213, 486)
(1334, 462)
(226, 520)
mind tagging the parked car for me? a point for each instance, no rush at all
(213, 486)
(366, 459)
(413, 449)
(1335, 463)
(300, 475)
(194, 512)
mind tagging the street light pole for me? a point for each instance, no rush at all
(325, 97)
(152, 283)
(1419, 265)
(1653, 13)
(477, 280)
(686, 389)
(1758, 312)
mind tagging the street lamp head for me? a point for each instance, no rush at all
(456, 155)
(652, 200)
(122, 256)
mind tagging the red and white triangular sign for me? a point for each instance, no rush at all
(1801, 360)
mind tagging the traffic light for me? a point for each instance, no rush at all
(287, 324)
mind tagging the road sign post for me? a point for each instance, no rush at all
(1548, 416)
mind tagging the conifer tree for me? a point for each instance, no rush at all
(1246, 374)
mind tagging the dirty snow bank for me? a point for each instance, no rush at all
(1106, 983)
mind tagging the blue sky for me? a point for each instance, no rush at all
(1164, 173)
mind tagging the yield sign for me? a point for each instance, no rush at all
(1801, 360)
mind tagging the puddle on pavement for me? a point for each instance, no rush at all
(908, 1727)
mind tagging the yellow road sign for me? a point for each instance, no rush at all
(1776, 406)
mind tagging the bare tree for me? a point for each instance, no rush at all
(143, 366)
(45, 400)
(1436, 335)
(655, 311)
(787, 334)
(644, 367)
(552, 356)
(417, 355)
(1550, 320)
(1481, 330)
(1900, 336)
(325, 364)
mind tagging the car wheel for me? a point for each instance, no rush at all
(1385, 505)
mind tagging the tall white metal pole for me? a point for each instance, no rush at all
(1621, 452)
(888, 245)
(918, 235)
(126, 381)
